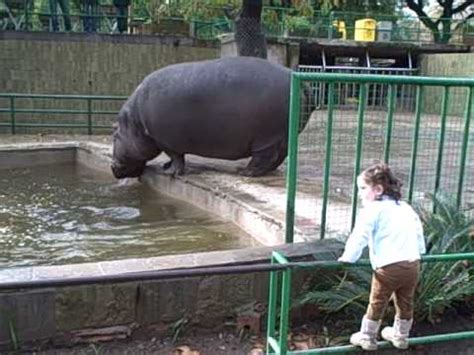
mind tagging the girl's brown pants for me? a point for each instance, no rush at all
(398, 279)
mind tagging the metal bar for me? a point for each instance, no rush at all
(439, 161)
(327, 161)
(272, 303)
(285, 308)
(89, 116)
(291, 177)
(464, 147)
(385, 79)
(390, 109)
(12, 114)
(66, 97)
(30, 110)
(50, 125)
(372, 69)
(358, 157)
(215, 270)
(416, 133)
(272, 344)
(430, 339)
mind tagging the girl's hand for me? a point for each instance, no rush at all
(342, 260)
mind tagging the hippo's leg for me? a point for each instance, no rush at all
(265, 161)
(176, 165)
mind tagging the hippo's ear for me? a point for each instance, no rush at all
(123, 118)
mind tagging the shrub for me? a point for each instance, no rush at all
(442, 285)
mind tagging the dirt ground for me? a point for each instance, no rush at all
(228, 343)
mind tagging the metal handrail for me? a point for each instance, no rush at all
(279, 346)
(14, 110)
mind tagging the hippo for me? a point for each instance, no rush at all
(229, 108)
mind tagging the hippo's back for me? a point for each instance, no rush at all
(224, 108)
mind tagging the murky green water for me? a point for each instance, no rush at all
(66, 214)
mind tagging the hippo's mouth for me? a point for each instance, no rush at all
(127, 171)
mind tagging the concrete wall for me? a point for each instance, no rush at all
(447, 65)
(89, 64)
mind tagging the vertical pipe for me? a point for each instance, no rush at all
(327, 161)
(439, 162)
(464, 147)
(12, 115)
(272, 302)
(292, 158)
(358, 157)
(388, 134)
(89, 116)
(285, 309)
(416, 133)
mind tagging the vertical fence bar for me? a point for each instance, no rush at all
(12, 115)
(416, 133)
(89, 116)
(272, 302)
(358, 157)
(439, 162)
(292, 157)
(464, 147)
(388, 135)
(327, 162)
(285, 310)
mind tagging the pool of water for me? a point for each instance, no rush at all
(64, 214)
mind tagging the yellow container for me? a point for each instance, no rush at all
(365, 30)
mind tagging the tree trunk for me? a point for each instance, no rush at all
(249, 35)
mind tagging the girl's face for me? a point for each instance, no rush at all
(368, 193)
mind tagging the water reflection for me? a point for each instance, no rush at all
(69, 214)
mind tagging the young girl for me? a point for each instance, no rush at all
(394, 235)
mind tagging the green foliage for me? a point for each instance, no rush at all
(442, 285)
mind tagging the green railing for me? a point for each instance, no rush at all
(20, 15)
(429, 144)
(279, 345)
(20, 112)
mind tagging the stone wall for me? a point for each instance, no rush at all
(58, 63)
(447, 65)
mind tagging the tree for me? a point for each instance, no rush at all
(249, 35)
(441, 26)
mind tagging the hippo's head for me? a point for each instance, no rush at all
(132, 147)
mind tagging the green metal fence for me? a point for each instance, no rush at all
(33, 113)
(22, 15)
(430, 147)
(280, 293)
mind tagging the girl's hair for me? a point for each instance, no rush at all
(380, 174)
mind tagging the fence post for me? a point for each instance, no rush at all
(439, 162)
(416, 133)
(465, 141)
(292, 157)
(12, 114)
(327, 160)
(358, 158)
(388, 136)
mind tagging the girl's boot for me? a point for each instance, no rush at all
(366, 338)
(398, 333)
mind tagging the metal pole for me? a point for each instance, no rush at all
(439, 162)
(416, 133)
(358, 157)
(291, 174)
(388, 136)
(327, 161)
(465, 142)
